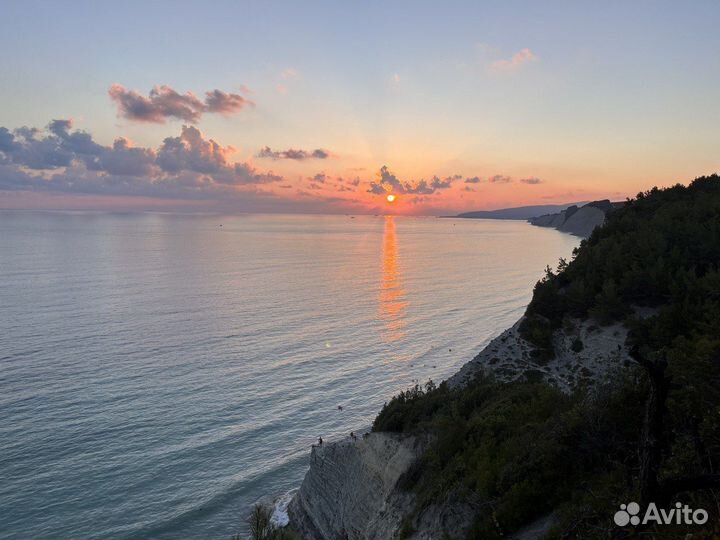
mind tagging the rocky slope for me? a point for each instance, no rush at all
(509, 357)
(351, 488)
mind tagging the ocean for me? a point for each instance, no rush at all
(161, 373)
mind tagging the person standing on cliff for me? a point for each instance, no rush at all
(319, 441)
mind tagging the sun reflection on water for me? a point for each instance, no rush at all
(392, 296)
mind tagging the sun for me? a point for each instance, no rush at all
(391, 198)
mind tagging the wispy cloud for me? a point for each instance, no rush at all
(500, 179)
(163, 103)
(289, 74)
(292, 153)
(532, 181)
(520, 58)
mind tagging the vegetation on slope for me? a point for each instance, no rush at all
(522, 450)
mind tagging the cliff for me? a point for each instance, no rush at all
(351, 492)
(351, 489)
(580, 221)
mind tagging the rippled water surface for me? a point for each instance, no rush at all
(161, 373)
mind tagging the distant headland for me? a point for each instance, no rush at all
(579, 218)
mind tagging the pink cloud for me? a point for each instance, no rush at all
(523, 56)
(164, 103)
(289, 74)
(217, 101)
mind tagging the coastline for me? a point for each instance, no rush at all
(341, 467)
(344, 469)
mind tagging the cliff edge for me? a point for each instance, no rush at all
(349, 491)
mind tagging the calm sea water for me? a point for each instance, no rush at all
(161, 373)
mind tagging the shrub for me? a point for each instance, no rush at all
(261, 527)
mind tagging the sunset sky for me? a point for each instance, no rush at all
(330, 106)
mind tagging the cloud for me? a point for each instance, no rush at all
(164, 103)
(289, 74)
(217, 101)
(532, 181)
(60, 160)
(298, 155)
(500, 179)
(191, 152)
(376, 189)
(437, 183)
(123, 159)
(22, 147)
(387, 181)
(473, 180)
(523, 56)
(7, 140)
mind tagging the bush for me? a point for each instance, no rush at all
(261, 527)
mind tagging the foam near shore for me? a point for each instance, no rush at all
(280, 517)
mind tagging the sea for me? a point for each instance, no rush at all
(162, 373)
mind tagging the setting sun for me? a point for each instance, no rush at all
(391, 198)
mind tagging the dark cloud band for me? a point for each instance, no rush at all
(188, 165)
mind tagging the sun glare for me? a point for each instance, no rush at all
(391, 198)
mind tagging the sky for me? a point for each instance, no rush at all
(328, 107)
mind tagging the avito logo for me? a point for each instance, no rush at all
(629, 514)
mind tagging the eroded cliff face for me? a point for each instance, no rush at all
(349, 491)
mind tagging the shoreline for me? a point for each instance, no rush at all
(377, 460)
(341, 466)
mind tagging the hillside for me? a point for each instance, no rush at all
(580, 221)
(606, 391)
(521, 212)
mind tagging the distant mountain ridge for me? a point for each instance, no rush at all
(520, 212)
